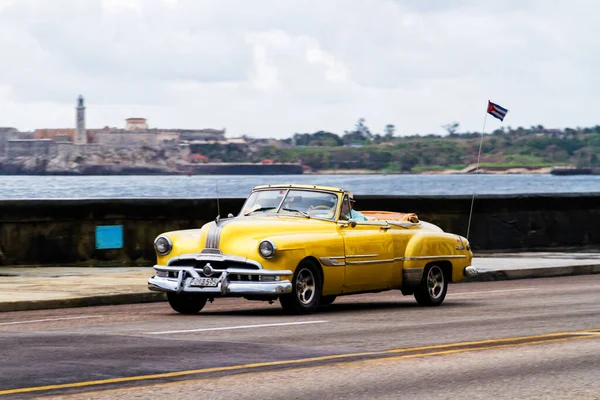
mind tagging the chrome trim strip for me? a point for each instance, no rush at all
(462, 245)
(333, 261)
(211, 251)
(282, 200)
(179, 282)
(213, 237)
(414, 258)
(403, 224)
(210, 236)
(214, 257)
(314, 188)
(238, 271)
(372, 223)
(370, 262)
(224, 287)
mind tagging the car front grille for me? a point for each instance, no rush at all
(217, 265)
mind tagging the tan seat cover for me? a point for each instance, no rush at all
(390, 216)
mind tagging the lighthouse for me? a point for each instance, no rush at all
(80, 134)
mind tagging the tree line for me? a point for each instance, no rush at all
(360, 148)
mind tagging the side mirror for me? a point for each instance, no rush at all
(352, 223)
(230, 215)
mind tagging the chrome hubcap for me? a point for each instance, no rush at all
(435, 282)
(305, 286)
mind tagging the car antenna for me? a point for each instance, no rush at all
(218, 208)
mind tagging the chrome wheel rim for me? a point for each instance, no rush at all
(435, 282)
(305, 286)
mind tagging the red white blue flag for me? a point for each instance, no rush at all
(496, 110)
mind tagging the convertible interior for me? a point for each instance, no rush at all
(390, 216)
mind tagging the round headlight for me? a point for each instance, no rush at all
(267, 249)
(163, 245)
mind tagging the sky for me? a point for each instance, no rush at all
(272, 68)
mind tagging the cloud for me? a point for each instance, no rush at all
(272, 68)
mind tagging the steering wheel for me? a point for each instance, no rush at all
(321, 207)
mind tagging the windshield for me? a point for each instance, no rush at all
(304, 203)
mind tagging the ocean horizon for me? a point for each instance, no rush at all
(203, 186)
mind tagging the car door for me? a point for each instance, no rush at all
(369, 255)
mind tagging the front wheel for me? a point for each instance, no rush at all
(306, 290)
(433, 287)
(186, 303)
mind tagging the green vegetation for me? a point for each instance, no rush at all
(361, 149)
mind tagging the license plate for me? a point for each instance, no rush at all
(211, 282)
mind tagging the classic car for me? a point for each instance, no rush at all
(305, 245)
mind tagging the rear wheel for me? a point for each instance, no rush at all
(433, 287)
(186, 303)
(306, 290)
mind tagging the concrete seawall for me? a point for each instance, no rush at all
(64, 231)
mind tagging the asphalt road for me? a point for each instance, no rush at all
(537, 338)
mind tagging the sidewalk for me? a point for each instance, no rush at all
(26, 288)
(496, 267)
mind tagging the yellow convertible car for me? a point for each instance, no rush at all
(305, 245)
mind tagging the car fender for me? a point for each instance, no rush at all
(429, 247)
(320, 247)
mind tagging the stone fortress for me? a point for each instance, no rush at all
(136, 134)
(78, 150)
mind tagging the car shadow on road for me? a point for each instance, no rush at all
(275, 310)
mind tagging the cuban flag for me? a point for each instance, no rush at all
(496, 110)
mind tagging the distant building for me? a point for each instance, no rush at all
(198, 158)
(200, 134)
(63, 133)
(79, 140)
(6, 134)
(135, 124)
(123, 138)
(51, 133)
(29, 147)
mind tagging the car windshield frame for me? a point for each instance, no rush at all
(302, 214)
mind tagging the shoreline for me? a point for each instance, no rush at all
(466, 171)
(224, 169)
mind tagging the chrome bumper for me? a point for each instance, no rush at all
(471, 271)
(225, 286)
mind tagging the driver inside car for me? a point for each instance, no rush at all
(348, 209)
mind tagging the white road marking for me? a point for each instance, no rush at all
(237, 327)
(488, 291)
(49, 320)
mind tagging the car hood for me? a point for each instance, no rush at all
(241, 235)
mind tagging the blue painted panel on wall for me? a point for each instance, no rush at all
(109, 237)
